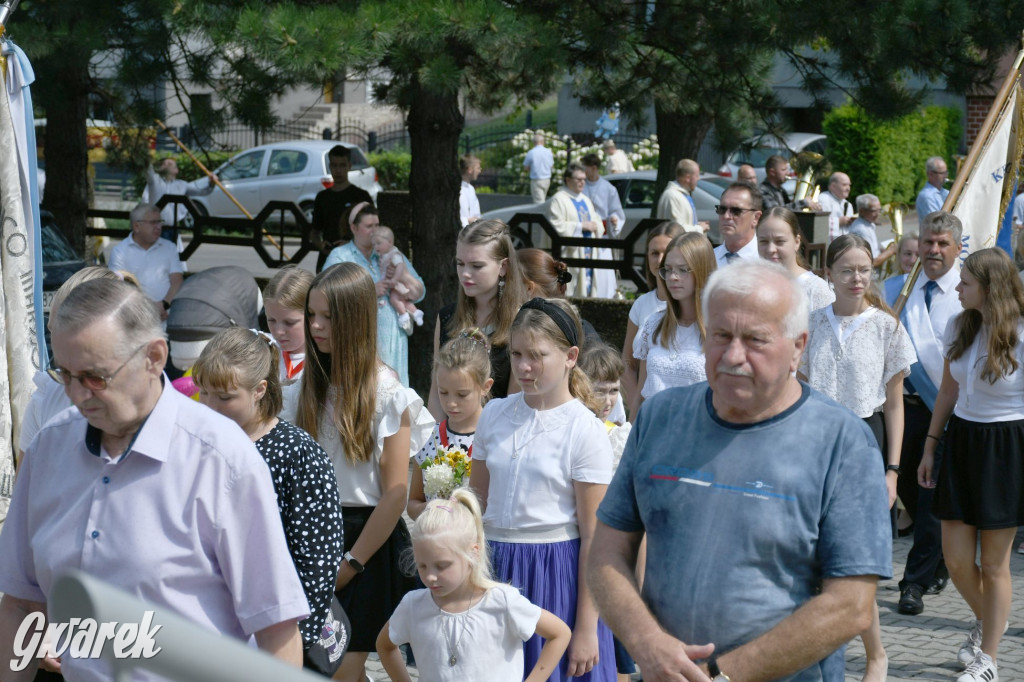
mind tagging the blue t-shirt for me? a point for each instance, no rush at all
(743, 521)
(540, 161)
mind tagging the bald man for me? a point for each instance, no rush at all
(835, 202)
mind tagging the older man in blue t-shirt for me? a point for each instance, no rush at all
(764, 509)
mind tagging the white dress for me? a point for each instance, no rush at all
(851, 359)
(681, 364)
(485, 640)
(359, 484)
(819, 293)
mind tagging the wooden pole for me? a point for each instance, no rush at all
(972, 159)
(215, 180)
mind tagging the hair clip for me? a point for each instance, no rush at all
(270, 340)
(564, 277)
(444, 507)
(120, 276)
(477, 336)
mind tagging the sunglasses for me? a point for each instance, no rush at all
(734, 211)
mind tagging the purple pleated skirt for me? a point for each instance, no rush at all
(547, 574)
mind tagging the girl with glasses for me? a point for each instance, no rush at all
(670, 344)
(858, 354)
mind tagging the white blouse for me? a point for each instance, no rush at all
(978, 400)
(359, 484)
(681, 364)
(819, 293)
(851, 359)
(533, 457)
(645, 306)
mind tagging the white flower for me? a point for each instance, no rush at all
(438, 481)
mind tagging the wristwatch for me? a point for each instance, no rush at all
(893, 467)
(354, 563)
(714, 672)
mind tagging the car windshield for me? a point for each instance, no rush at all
(714, 186)
(56, 248)
(756, 156)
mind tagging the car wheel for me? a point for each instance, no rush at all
(520, 238)
(307, 209)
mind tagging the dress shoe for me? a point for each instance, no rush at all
(937, 585)
(911, 602)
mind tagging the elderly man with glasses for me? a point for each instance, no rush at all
(740, 210)
(151, 492)
(931, 198)
(869, 208)
(152, 260)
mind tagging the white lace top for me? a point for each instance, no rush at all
(359, 485)
(819, 293)
(854, 371)
(681, 364)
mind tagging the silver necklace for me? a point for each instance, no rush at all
(450, 637)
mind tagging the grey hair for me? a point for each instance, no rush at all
(933, 162)
(141, 211)
(133, 313)
(746, 278)
(865, 200)
(942, 221)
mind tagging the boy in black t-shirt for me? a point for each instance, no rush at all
(332, 205)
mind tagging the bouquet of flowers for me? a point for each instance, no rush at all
(447, 470)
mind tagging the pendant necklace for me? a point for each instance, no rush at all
(450, 637)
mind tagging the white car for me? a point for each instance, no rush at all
(756, 151)
(636, 191)
(283, 171)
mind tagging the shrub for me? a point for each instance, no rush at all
(887, 158)
(392, 168)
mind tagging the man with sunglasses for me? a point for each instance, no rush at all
(740, 210)
(146, 489)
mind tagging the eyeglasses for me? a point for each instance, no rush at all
(670, 271)
(89, 381)
(734, 211)
(848, 275)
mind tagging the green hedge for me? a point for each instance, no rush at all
(887, 158)
(392, 168)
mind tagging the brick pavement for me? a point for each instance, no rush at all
(919, 647)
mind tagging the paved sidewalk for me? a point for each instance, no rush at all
(920, 647)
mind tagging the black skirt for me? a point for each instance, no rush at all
(373, 595)
(982, 474)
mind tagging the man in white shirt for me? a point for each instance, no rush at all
(930, 308)
(154, 261)
(676, 202)
(868, 210)
(616, 159)
(834, 201)
(469, 205)
(740, 210)
(539, 162)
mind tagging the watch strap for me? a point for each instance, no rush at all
(714, 672)
(894, 467)
(354, 563)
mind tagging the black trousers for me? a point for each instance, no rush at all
(924, 561)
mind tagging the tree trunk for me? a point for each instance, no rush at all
(66, 102)
(435, 123)
(679, 137)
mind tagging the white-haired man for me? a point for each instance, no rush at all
(835, 202)
(715, 505)
(154, 261)
(869, 208)
(148, 490)
(933, 195)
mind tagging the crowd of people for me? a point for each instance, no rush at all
(716, 500)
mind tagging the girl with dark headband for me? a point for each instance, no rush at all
(542, 461)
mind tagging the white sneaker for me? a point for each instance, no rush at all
(983, 669)
(972, 647)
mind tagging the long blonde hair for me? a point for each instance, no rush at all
(700, 258)
(457, 524)
(539, 323)
(511, 295)
(344, 380)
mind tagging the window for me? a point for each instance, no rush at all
(243, 166)
(286, 161)
(640, 194)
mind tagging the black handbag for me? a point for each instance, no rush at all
(325, 656)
